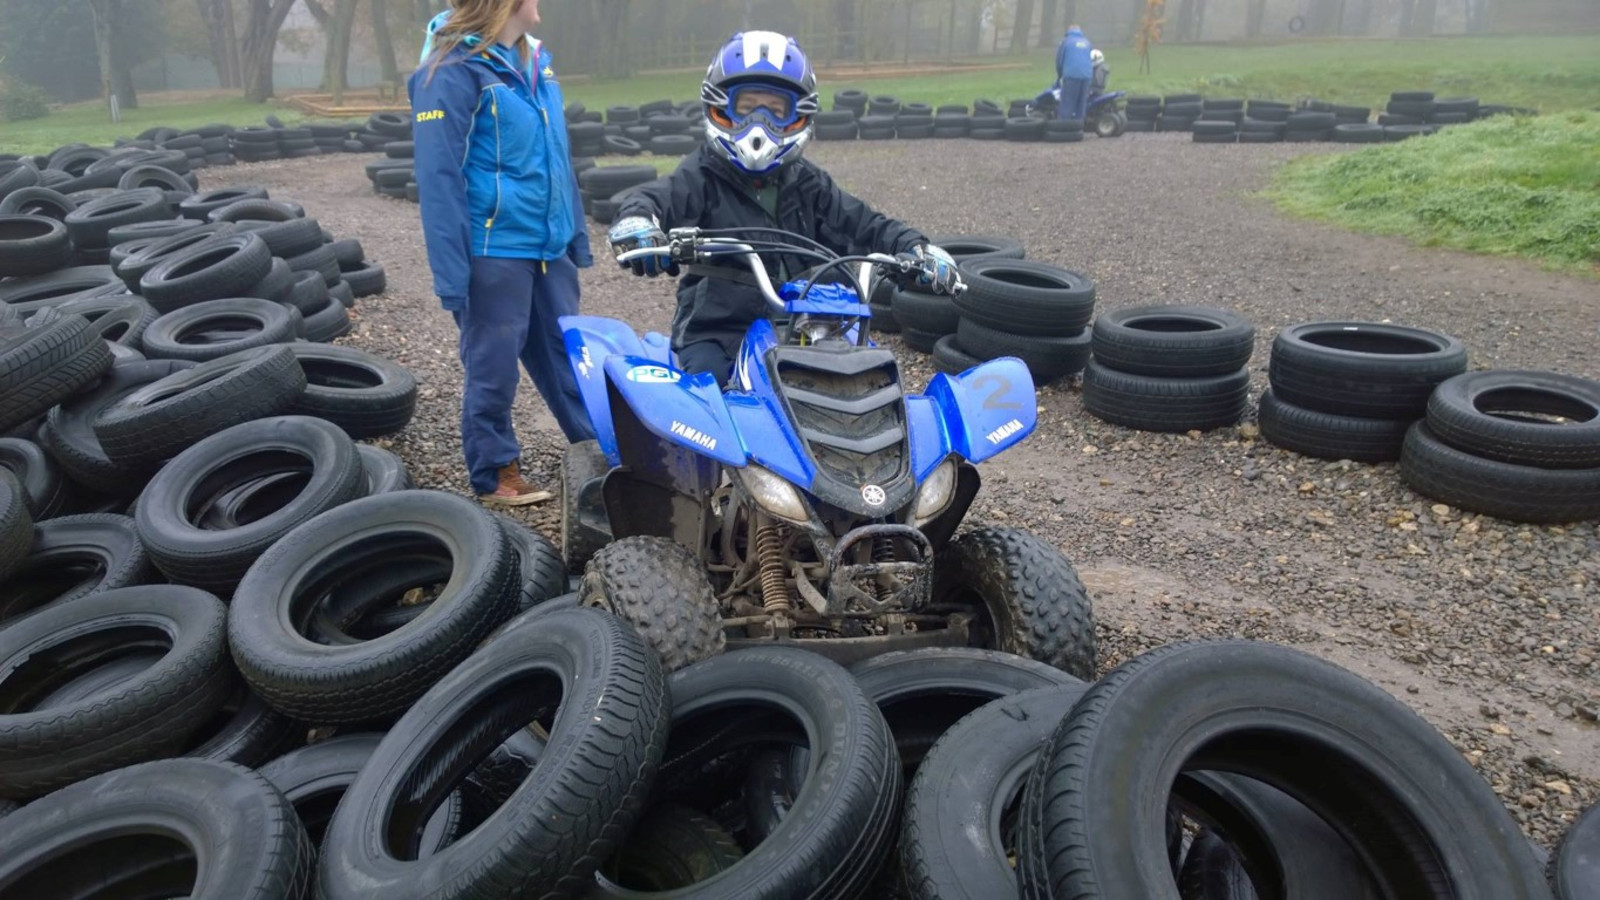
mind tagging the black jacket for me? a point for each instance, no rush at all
(708, 192)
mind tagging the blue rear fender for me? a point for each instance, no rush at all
(986, 409)
(590, 341)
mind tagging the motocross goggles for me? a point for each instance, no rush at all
(749, 104)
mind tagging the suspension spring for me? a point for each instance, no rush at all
(882, 552)
(769, 554)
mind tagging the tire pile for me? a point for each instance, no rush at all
(1169, 368)
(661, 127)
(1519, 445)
(601, 187)
(1012, 306)
(1409, 114)
(763, 773)
(278, 141)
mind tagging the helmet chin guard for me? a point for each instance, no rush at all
(759, 142)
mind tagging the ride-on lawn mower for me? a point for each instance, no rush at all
(810, 500)
(1104, 116)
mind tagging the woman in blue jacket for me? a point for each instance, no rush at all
(502, 222)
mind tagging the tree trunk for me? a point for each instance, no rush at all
(1186, 20)
(388, 66)
(1020, 28)
(116, 76)
(1047, 23)
(218, 18)
(1254, 16)
(263, 21)
(336, 47)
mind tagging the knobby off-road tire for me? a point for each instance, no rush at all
(1327, 436)
(1506, 416)
(1035, 605)
(72, 557)
(151, 715)
(150, 830)
(1435, 469)
(1094, 815)
(840, 827)
(1173, 341)
(583, 462)
(660, 588)
(951, 845)
(348, 680)
(606, 698)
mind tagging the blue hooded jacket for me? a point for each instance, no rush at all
(1072, 56)
(492, 162)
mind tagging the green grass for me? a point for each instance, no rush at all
(1545, 73)
(91, 123)
(1515, 187)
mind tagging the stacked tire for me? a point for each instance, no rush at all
(1142, 113)
(932, 318)
(1518, 445)
(601, 188)
(1031, 310)
(1169, 368)
(1351, 390)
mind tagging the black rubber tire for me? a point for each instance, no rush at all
(151, 715)
(840, 828)
(1173, 341)
(327, 323)
(307, 293)
(212, 329)
(1165, 404)
(673, 846)
(91, 223)
(246, 731)
(1094, 815)
(949, 356)
(16, 525)
(45, 491)
(1046, 357)
(319, 259)
(42, 366)
(1031, 600)
(348, 252)
(541, 572)
(159, 420)
(1506, 415)
(1509, 491)
(1575, 863)
(314, 778)
(68, 433)
(1212, 870)
(1026, 297)
(60, 285)
(922, 693)
(928, 313)
(660, 588)
(144, 257)
(201, 205)
(365, 394)
(1326, 436)
(263, 210)
(673, 144)
(581, 463)
(200, 519)
(32, 245)
(920, 341)
(286, 239)
(140, 832)
(341, 292)
(116, 319)
(75, 556)
(385, 471)
(952, 845)
(226, 266)
(1362, 369)
(366, 279)
(37, 201)
(142, 176)
(359, 681)
(607, 738)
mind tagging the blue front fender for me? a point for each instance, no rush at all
(590, 341)
(987, 408)
(683, 409)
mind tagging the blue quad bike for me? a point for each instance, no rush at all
(1104, 116)
(810, 500)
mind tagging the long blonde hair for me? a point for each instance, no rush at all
(481, 18)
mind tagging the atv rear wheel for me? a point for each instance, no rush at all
(660, 589)
(583, 462)
(1111, 123)
(1027, 595)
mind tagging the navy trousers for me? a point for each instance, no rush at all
(1074, 98)
(512, 307)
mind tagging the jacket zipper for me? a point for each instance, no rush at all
(488, 227)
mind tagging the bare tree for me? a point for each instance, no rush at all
(218, 18)
(116, 70)
(1020, 27)
(263, 21)
(389, 68)
(337, 25)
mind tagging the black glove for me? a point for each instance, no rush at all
(637, 232)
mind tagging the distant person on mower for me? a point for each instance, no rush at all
(1102, 74)
(1075, 72)
(760, 94)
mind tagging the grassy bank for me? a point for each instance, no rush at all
(1515, 187)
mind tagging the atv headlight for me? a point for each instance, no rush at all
(935, 493)
(773, 494)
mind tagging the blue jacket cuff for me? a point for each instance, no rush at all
(454, 304)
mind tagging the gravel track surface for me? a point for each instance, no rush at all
(1490, 630)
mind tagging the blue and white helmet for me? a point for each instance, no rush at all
(751, 71)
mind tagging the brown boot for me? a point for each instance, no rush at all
(513, 491)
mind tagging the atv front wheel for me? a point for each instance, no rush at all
(1028, 597)
(1111, 124)
(584, 462)
(661, 589)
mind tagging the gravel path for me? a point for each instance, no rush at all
(1490, 630)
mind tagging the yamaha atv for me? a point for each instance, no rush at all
(810, 500)
(1104, 116)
